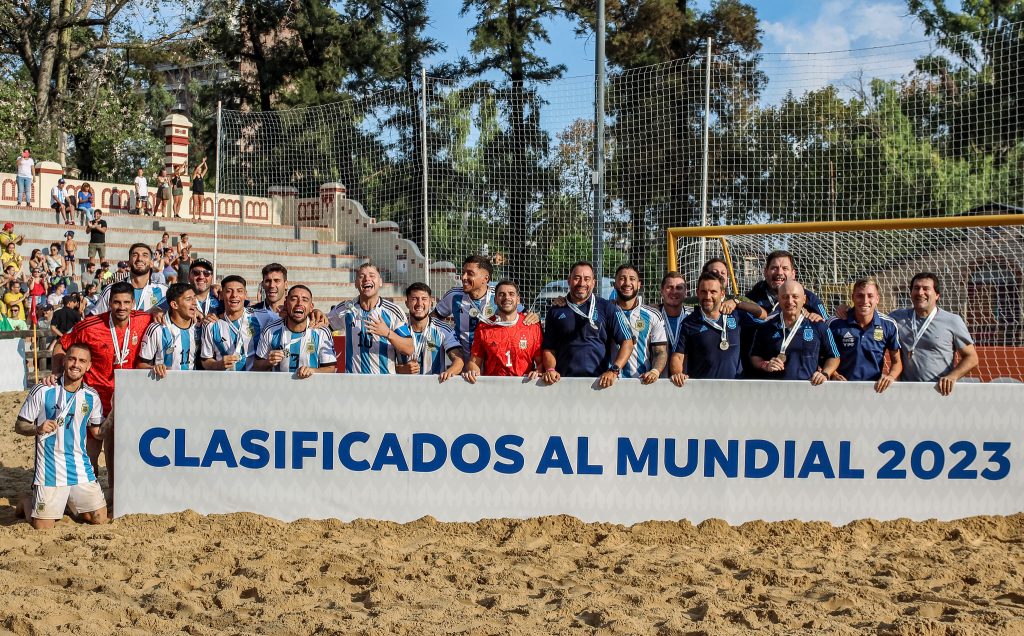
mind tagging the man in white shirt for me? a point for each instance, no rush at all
(141, 193)
(59, 203)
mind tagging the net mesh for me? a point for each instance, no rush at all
(980, 271)
(506, 171)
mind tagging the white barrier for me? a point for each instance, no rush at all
(12, 365)
(403, 447)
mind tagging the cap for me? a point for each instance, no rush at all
(61, 180)
(201, 262)
(8, 226)
(70, 233)
(122, 263)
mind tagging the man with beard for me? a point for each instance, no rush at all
(61, 417)
(174, 344)
(146, 294)
(436, 351)
(709, 340)
(788, 346)
(376, 331)
(580, 337)
(121, 327)
(505, 345)
(650, 352)
(863, 338)
(229, 344)
(292, 344)
(274, 284)
(200, 276)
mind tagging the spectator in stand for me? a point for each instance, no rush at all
(156, 270)
(163, 194)
(90, 296)
(198, 190)
(184, 261)
(11, 274)
(65, 318)
(89, 275)
(54, 259)
(170, 273)
(13, 296)
(7, 236)
(37, 260)
(176, 189)
(37, 286)
(43, 316)
(105, 276)
(23, 166)
(10, 257)
(70, 246)
(56, 297)
(59, 277)
(97, 237)
(164, 244)
(122, 272)
(71, 196)
(86, 199)
(141, 193)
(16, 318)
(59, 203)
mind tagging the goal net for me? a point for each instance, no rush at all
(979, 261)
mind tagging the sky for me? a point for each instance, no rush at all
(790, 28)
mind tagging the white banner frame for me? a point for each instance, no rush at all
(837, 425)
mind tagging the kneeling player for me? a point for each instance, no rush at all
(504, 345)
(60, 417)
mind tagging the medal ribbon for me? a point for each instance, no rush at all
(720, 327)
(120, 353)
(919, 331)
(673, 334)
(590, 312)
(65, 404)
(788, 339)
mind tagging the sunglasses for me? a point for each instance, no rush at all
(202, 272)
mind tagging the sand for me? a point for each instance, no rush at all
(243, 573)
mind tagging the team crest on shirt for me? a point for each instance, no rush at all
(808, 334)
(152, 297)
(731, 322)
(85, 408)
(310, 348)
(488, 311)
(135, 339)
(879, 335)
(640, 324)
(523, 343)
(431, 345)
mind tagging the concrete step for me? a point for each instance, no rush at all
(315, 274)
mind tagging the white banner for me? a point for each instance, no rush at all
(402, 447)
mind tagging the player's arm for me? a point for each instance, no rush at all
(895, 369)
(472, 369)
(968, 361)
(456, 366)
(548, 363)
(676, 364)
(659, 359)
(828, 370)
(25, 427)
(151, 352)
(266, 358)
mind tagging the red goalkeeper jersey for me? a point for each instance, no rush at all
(507, 350)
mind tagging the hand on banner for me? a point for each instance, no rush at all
(551, 376)
(470, 376)
(304, 372)
(945, 385)
(650, 377)
(159, 371)
(883, 383)
(818, 378)
(607, 379)
(679, 379)
(444, 375)
(409, 368)
(228, 362)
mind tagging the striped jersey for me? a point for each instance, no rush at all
(431, 347)
(210, 304)
(61, 459)
(648, 329)
(170, 345)
(366, 353)
(466, 312)
(308, 348)
(228, 337)
(145, 299)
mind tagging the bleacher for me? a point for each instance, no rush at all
(311, 255)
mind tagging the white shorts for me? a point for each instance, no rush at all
(48, 502)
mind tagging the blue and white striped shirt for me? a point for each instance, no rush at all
(466, 312)
(366, 353)
(61, 459)
(145, 299)
(432, 346)
(170, 345)
(228, 337)
(308, 348)
(648, 329)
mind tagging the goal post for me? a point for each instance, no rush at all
(979, 260)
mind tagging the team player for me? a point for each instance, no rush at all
(115, 338)
(505, 345)
(863, 338)
(673, 293)
(581, 336)
(275, 285)
(788, 346)
(929, 337)
(650, 353)
(174, 343)
(376, 330)
(436, 351)
(292, 344)
(229, 344)
(200, 276)
(146, 294)
(709, 340)
(62, 417)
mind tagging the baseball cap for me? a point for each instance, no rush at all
(122, 263)
(201, 262)
(61, 180)
(8, 226)
(70, 233)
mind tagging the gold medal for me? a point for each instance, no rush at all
(724, 345)
(782, 357)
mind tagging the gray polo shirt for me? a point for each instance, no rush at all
(933, 356)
